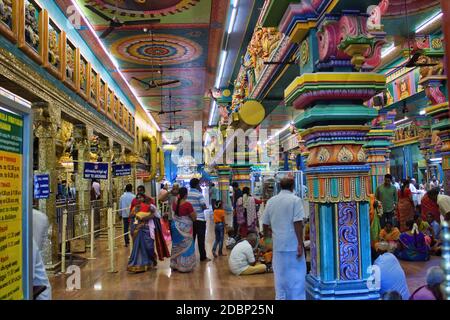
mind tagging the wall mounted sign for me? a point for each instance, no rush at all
(121, 170)
(41, 186)
(94, 170)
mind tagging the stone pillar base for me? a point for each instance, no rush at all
(337, 290)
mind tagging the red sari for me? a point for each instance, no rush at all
(405, 208)
(429, 206)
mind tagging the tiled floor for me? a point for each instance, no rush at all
(210, 280)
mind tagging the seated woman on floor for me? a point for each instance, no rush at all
(412, 244)
(432, 290)
(389, 234)
(436, 242)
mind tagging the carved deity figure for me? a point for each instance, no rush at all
(83, 79)
(70, 65)
(53, 51)
(31, 26)
(376, 12)
(428, 71)
(93, 86)
(6, 12)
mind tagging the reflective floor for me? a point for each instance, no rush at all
(209, 280)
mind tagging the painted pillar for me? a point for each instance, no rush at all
(445, 6)
(82, 135)
(331, 90)
(224, 175)
(439, 113)
(241, 174)
(47, 119)
(376, 148)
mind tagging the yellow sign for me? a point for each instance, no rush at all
(11, 241)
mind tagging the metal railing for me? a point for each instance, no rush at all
(112, 223)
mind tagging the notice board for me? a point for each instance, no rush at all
(15, 197)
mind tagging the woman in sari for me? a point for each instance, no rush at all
(143, 254)
(249, 203)
(412, 244)
(183, 245)
(405, 208)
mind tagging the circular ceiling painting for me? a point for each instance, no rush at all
(399, 7)
(135, 8)
(164, 49)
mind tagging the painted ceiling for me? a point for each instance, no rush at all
(184, 45)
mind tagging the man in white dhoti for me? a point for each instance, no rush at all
(284, 215)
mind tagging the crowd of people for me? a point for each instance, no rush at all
(402, 228)
(408, 221)
(406, 225)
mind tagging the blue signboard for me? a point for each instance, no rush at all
(121, 170)
(41, 186)
(95, 170)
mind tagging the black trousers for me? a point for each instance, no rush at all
(387, 217)
(200, 232)
(126, 228)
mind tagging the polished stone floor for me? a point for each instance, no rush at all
(209, 280)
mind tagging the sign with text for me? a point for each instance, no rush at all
(121, 170)
(41, 186)
(11, 236)
(94, 170)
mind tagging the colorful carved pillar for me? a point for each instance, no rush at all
(331, 93)
(377, 148)
(241, 174)
(440, 113)
(224, 174)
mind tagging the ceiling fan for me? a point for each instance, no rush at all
(170, 107)
(114, 22)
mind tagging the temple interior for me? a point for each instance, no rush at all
(138, 136)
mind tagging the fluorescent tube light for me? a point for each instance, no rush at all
(429, 21)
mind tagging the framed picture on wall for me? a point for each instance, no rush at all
(54, 48)
(93, 88)
(110, 103)
(121, 111)
(9, 19)
(116, 110)
(84, 76)
(125, 119)
(130, 123)
(71, 64)
(102, 96)
(31, 30)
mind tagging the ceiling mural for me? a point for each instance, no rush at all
(181, 48)
(145, 8)
(173, 42)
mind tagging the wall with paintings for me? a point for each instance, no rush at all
(43, 33)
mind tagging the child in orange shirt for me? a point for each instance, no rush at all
(219, 228)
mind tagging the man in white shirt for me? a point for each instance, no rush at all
(195, 197)
(413, 189)
(284, 215)
(242, 259)
(97, 190)
(124, 210)
(395, 183)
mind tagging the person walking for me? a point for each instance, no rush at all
(214, 195)
(387, 195)
(195, 197)
(237, 194)
(124, 210)
(284, 214)
(183, 243)
(219, 228)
